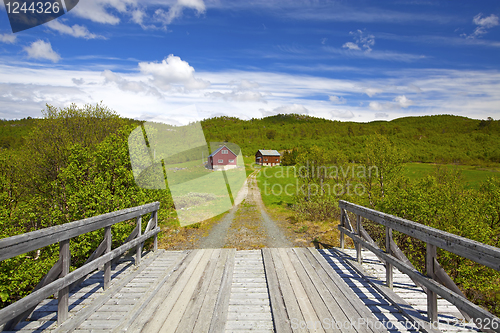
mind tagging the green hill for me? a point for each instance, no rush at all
(439, 139)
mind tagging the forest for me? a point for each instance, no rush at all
(74, 163)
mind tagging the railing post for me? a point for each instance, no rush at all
(155, 224)
(388, 266)
(107, 266)
(139, 246)
(358, 245)
(63, 294)
(342, 213)
(432, 312)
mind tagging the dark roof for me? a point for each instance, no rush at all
(267, 152)
(219, 149)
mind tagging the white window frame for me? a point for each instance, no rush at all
(220, 161)
(231, 161)
(225, 151)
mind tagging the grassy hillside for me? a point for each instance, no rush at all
(430, 139)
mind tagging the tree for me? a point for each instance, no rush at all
(383, 163)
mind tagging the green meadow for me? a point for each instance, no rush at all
(278, 184)
(472, 176)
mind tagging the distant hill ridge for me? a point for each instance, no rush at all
(436, 138)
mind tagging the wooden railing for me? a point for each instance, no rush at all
(59, 280)
(437, 282)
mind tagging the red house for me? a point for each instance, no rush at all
(267, 157)
(222, 158)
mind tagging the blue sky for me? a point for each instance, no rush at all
(183, 60)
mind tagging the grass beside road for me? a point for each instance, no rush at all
(472, 176)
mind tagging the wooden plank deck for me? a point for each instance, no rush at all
(224, 290)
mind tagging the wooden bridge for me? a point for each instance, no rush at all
(224, 290)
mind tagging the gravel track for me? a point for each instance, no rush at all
(247, 225)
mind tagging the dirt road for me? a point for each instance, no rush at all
(247, 225)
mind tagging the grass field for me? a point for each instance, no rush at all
(278, 184)
(472, 176)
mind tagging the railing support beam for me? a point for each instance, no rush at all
(107, 266)
(358, 245)
(432, 312)
(139, 246)
(388, 266)
(63, 294)
(342, 213)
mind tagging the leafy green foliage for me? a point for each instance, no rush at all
(75, 165)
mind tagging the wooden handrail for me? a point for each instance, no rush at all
(59, 280)
(16, 245)
(435, 282)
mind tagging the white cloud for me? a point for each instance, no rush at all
(76, 30)
(245, 96)
(351, 46)
(99, 10)
(381, 115)
(42, 50)
(129, 85)
(372, 91)
(172, 72)
(342, 114)
(403, 101)
(379, 106)
(363, 41)
(374, 54)
(487, 22)
(294, 108)
(242, 91)
(138, 16)
(8, 38)
(400, 102)
(246, 85)
(337, 99)
(78, 82)
(483, 23)
(469, 93)
(175, 11)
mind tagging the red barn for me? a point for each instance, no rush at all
(267, 157)
(222, 158)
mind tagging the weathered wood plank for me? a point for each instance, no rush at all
(155, 314)
(138, 248)
(396, 302)
(188, 322)
(62, 299)
(286, 291)
(313, 269)
(52, 275)
(452, 297)
(304, 302)
(352, 306)
(107, 266)
(432, 310)
(150, 300)
(175, 316)
(79, 318)
(208, 306)
(315, 299)
(481, 253)
(220, 312)
(36, 297)
(16, 245)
